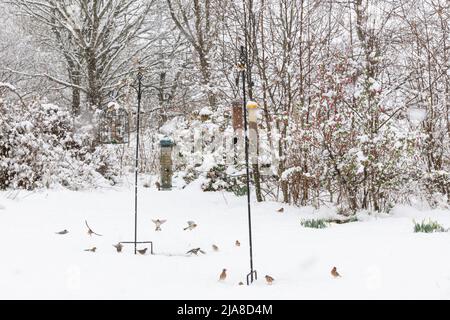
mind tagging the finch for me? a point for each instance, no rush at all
(158, 224)
(195, 251)
(223, 275)
(191, 225)
(334, 273)
(90, 231)
(143, 251)
(118, 247)
(269, 279)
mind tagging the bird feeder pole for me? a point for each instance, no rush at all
(138, 119)
(243, 62)
(136, 168)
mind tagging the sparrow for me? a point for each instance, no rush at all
(158, 185)
(62, 232)
(118, 247)
(240, 283)
(269, 279)
(334, 272)
(223, 275)
(90, 232)
(91, 250)
(158, 224)
(191, 225)
(280, 210)
(143, 251)
(215, 248)
(237, 243)
(195, 251)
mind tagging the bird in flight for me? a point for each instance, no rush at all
(90, 232)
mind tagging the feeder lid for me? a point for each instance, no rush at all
(166, 142)
(205, 111)
(252, 105)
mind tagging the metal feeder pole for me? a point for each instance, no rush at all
(139, 77)
(253, 274)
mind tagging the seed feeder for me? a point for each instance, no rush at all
(252, 108)
(166, 163)
(114, 125)
(205, 114)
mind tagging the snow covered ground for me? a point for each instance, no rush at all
(378, 258)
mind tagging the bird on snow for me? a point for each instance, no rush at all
(280, 210)
(191, 225)
(223, 275)
(158, 224)
(334, 273)
(158, 185)
(269, 279)
(240, 283)
(143, 251)
(195, 251)
(237, 243)
(62, 232)
(91, 250)
(90, 231)
(118, 247)
(215, 248)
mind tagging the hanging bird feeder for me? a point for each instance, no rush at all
(114, 125)
(205, 114)
(166, 163)
(238, 118)
(252, 108)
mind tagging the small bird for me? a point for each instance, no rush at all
(237, 243)
(240, 66)
(158, 185)
(269, 279)
(91, 250)
(241, 283)
(215, 248)
(334, 272)
(191, 225)
(143, 251)
(195, 251)
(90, 231)
(118, 247)
(280, 210)
(223, 275)
(62, 232)
(158, 224)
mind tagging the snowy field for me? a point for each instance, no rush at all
(378, 257)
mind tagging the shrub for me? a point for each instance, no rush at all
(314, 223)
(428, 226)
(46, 149)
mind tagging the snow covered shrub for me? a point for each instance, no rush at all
(201, 151)
(314, 223)
(428, 227)
(40, 147)
(347, 150)
(218, 179)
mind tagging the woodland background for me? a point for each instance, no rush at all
(354, 95)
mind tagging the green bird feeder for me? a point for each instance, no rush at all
(166, 163)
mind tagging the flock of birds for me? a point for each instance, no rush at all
(191, 225)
